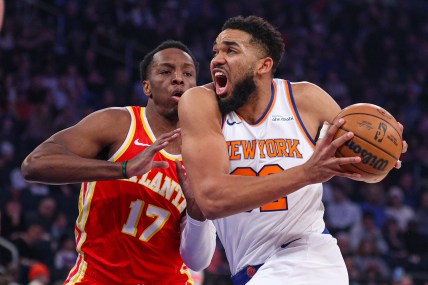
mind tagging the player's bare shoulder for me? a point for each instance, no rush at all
(200, 97)
(310, 98)
(307, 93)
(199, 102)
(107, 125)
(199, 92)
(120, 116)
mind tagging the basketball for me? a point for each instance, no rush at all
(377, 140)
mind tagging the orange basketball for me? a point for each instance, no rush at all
(377, 140)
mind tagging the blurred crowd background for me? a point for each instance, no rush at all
(62, 59)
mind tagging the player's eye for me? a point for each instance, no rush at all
(231, 51)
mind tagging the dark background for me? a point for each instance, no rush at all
(61, 60)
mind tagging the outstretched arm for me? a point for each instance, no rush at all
(71, 155)
(198, 235)
(219, 194)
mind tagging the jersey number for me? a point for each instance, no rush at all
(278, 205)
(152, 211)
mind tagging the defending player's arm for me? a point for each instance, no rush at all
(198, 235)
(198, 241)
(71, 155)
(219, 194)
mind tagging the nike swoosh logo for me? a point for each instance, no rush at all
(288, 243)
(136, 142)
(232, 123)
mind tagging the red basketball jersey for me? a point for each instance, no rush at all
(127, 231)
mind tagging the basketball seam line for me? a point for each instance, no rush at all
(354, 165)
(371, 143)
(375, 117)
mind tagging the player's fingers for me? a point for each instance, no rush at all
(331, 131)
(348, 160)
(168, 136)
(160, 164)
(398, 164)
(163, 141)
(405, 146)
(350, 175)
(400, 127)
(341, 140)
(180, 172)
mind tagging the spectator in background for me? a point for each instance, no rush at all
(45, 214)
(354, 271)
(33, 246)
(374, 202)
(218, 269)
(65, 256)
(366, 230)
(39, 274)
(421, 217)
(415, 242)
(7, 158)
(341, 214)
(394, 238)
(343, 241)
(12, 220)
(397, 210)
(370, 261)
(408, 184)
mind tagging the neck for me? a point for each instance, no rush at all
(160, 124)
(257, 103)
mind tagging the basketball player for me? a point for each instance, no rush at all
(268, 213)
(131, 202)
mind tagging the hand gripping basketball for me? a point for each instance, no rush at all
(377, 140)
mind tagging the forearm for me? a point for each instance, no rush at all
(226, 195)
(198, 241)
(57, 166)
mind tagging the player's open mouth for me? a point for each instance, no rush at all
(220, 81)
(176, 95)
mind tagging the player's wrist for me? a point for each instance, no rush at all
(124, 171)
(194, 212)
(194, 219)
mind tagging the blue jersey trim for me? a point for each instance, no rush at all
(297, 112)
(272, 96)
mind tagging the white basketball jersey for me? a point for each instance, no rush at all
(276, 142)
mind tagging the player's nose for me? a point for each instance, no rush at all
(178, 78)
(218, 60)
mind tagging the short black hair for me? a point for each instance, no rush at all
(148, 58)
(262, 32)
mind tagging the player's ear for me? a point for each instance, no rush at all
(264, 65)
(147, 88)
